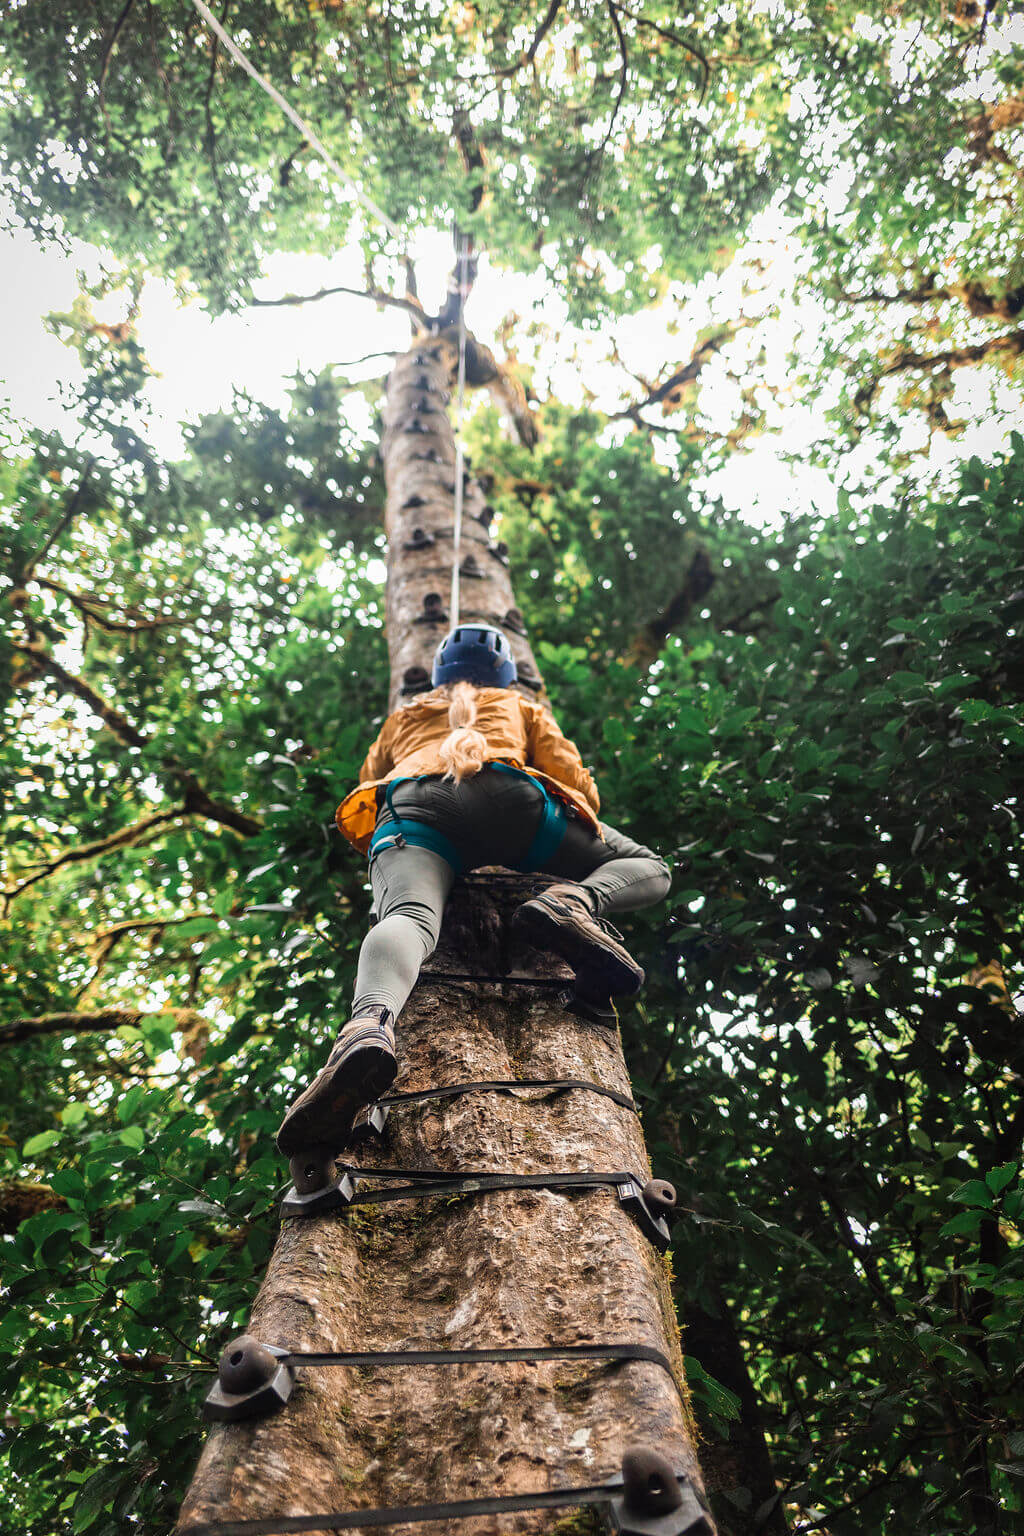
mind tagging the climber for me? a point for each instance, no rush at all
(470, 774)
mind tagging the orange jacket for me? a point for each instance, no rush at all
(518, 732)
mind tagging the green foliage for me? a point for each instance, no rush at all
(828, 743)
(614, 148)
(820, 721)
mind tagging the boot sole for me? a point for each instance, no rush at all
(325, 1118)
(601, 968)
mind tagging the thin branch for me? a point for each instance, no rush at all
(956, 357)
(108, 54)
(199, 803)
(697, 583)
(680, 378)
(127, 837)
(680, 42)
(111, 717)
(884, 1481)
(172, 115)
(526, 58)
(117, 931)
(87, 1023)
(356, 361)
(120, 626)
(64, 522)
(729, 626)
(375, 295)
(211, 132)
(102, 944)
(620, 38)
(284, 175)
(924, 293)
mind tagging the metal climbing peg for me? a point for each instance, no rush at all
(656, 1501)
(252, 1379)
(649, 1205)
(314, 1190)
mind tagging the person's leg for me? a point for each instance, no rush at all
(410, 888)
(609, 874)
(617, 873)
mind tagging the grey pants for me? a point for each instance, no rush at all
(491, 818)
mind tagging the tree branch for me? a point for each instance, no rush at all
(121, 626)
(199, 803)
(112, 718)
(211, 132)
(284, 174)
(526, 58)
(64, 522)
(87, 1023)
(620, 38)
(982, 304)
(669, 391)
(21, 1198)
(956, 357)
(356, 361)
(375, 295)
(680, 42)
(127, 837)
(697, 583)
(924, 293)
(108, 54)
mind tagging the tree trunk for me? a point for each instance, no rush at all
(506, 1268)
(741, 1479)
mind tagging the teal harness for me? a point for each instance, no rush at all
(419, 834)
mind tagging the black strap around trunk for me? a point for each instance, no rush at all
(612, 1352)
(432, 1181)
(507, 1085)
(349, 1519)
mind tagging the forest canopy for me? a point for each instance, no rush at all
(751, 229)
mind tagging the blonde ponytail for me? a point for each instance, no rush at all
(462, 752)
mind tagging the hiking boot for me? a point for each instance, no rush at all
(561, 919)
(359, 1069)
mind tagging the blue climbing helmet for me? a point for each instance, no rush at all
(475, 653)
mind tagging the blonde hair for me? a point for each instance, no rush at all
(462, 752)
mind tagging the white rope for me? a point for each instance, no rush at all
(462, 267)
(300, 123)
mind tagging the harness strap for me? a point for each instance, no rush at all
(553, 823)
(422, 834)
(417, 834)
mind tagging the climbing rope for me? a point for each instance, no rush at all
(304, 128)
(462, 278)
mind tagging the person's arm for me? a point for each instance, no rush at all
(557, 756)
(378, 760)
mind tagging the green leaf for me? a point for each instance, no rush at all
(194, 927)
(717, 1397)
(73, 1114)
(95, 1496)
(128, 1105)
(132, 1136)
(974, 1192)
(998, 1178)
(965, 1222)
(40, 1143)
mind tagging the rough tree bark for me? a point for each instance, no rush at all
(505, 1268)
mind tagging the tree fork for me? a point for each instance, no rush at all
(507, 1268)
